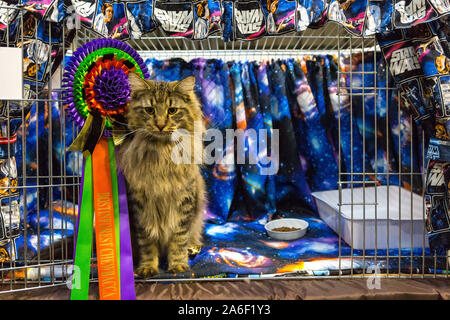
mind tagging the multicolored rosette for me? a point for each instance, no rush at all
(96, 94)
(93, 76)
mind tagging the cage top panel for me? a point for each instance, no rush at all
(330, 39)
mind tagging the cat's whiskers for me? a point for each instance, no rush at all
(122, 123)
(130, 132)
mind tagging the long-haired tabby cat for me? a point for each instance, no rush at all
(166, 199)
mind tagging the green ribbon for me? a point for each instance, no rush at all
(82, 261)
(115, 193)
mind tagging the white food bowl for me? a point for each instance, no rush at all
(300, 224)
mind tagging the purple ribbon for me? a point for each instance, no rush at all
(126, 258)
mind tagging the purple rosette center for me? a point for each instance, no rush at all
(112, 88)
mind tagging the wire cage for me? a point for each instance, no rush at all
(26, 120)
(46, 178)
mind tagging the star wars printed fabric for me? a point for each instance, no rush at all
(236, 19)
(419, 62)
(9, 194)
(437, 197)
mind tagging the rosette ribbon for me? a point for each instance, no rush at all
(96, 93)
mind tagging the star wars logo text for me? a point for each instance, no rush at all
(409, 13)
(436, 178)
(433, 152)
(403, 60)
(249, 21)
(445, 87)
(174, 21)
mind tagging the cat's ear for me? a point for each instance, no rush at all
(136, 82)
(186, 85)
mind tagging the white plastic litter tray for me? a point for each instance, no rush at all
(363, 234)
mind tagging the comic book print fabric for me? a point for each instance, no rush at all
(419, 62)
(236, 19)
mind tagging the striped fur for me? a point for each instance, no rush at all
(166, 200)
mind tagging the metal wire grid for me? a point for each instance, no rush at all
(332, 39)
(374, 91)
(47, 268)
(311, 41)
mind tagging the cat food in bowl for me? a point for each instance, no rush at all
(286, 229)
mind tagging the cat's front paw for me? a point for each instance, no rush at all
(194, 250)
(178, 268)
(147, 271)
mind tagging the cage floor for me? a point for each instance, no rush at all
(243, 249)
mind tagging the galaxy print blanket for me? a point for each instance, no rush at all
(297, 97)
(235, 249)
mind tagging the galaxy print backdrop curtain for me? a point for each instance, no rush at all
(299, 99)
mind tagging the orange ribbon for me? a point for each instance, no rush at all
(108, 276)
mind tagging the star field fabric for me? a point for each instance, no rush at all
(243, 248)
(217, 107)
(369, 107)
(266, 100)
(313, 143)
(291, 182)
(256, 195)
(339, 109)
(278, 95)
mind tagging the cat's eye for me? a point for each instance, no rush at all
(150, 110)
(172, 111)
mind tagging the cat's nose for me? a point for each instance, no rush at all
(160, 125)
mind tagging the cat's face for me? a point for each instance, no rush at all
(158, 108)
